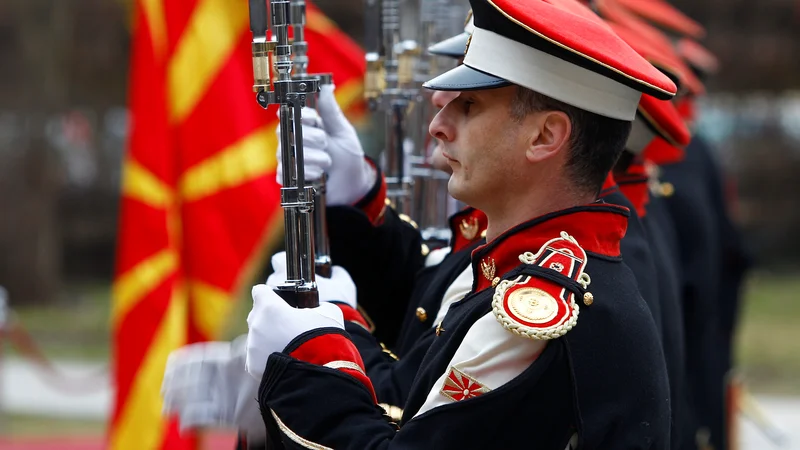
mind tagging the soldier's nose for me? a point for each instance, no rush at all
(442, 98)
(441, 128)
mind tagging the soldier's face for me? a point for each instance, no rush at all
(482, 145)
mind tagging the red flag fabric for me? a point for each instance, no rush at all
(199, 197)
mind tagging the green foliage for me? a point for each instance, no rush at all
(768, 340)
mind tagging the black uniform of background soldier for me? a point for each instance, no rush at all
(382, 260)
(712, 263)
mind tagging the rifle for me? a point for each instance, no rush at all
(396, 69)
(389, 87)
(322, 260)
(290, 94)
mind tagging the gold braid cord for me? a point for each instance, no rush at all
(536, 308)
(521, 330)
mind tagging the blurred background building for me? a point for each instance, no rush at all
(64, 123)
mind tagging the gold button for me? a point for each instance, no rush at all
(422, 315)
(407, 219)
(425, 250)
(667, 189)
(588, 299)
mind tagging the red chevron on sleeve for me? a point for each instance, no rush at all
(337, 352)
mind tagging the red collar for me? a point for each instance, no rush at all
(662, 152)
(597, 227)
(634, 186)
(467, 226)
(608, 184)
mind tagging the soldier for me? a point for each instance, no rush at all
(660, 122)
(711, 258)
(643, 248)
(699, 249)
(736, 257)
(634, 184)
(546, 96)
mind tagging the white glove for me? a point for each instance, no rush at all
(338, 288)
(273, 324)
(315, 143)
(350, 176)
(206, 385)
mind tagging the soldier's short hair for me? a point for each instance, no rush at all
(596, 141)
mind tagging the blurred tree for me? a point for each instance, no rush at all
(62, 54)
(758, 42)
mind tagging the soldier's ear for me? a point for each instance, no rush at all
(552, 130)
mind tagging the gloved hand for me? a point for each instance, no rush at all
(273, 324)
(350, 176)
(315, 145)
(338, 288)
(206, 385)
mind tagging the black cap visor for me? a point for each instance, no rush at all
(465, 78)
(453, 47)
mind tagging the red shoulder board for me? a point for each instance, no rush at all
(538, 308)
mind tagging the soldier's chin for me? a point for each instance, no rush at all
(457, 189)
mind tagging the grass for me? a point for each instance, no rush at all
(768, 341)
(79, 330)
(82, 329)
(16, 425)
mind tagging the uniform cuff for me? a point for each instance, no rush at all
(331, 348)
(374, 202)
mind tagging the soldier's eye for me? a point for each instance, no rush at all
(467, 104)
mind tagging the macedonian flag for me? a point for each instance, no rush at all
(199, 197)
